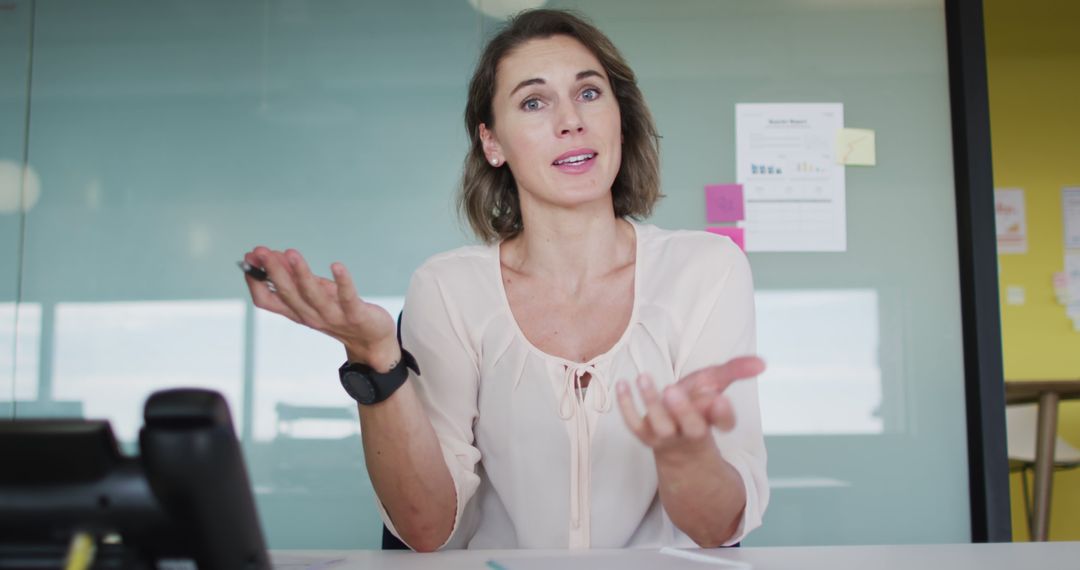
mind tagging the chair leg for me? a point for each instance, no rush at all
(1028, 515)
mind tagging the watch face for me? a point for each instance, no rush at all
(359, 387)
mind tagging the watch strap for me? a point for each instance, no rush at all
(368, 386)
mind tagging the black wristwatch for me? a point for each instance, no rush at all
(367, 386)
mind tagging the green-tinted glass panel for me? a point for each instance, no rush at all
(18, 190)
(171, 137)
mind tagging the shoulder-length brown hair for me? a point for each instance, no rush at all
(488, 197)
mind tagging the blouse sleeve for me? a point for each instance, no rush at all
(725, 330)
(447, 385)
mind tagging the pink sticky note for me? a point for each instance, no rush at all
(736, 234)
(724, 203)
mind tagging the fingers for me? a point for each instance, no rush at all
(629, 410)
(656, 416)
(722, 414)
(263, 298)
(346, 288)
(286, 297)
(261, 294)
(280, 270)
(670, 419)
(692, 424)
(331, 306)
(310, 289)
(716, 379)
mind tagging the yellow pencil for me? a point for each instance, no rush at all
(80, 552)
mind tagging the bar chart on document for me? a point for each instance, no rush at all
(793, 187)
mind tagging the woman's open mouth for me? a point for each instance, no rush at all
(575, 162)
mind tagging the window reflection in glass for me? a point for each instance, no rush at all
(297, 392)
(306, 458)
(20, 347)
(111, 356)
(822, 350)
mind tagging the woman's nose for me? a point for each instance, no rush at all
(570, 122)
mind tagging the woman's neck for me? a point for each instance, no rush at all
(570, 247)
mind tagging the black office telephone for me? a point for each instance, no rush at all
(184, 502)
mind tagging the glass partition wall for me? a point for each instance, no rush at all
(15, 42)
(166, 139)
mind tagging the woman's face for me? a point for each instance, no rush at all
(557, 123)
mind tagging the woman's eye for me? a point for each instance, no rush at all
(590, 94)
(531, 104)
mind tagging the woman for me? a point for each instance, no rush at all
(505, 439)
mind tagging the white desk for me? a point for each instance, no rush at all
(1007, 556)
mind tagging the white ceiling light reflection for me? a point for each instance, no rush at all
(200, 240)
(297, 391)
(822, 351)
(93, 195)
(18, 192)
(111, 356)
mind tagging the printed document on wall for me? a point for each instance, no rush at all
(1010, 219)
(1070, 206)
(794, 190)
(1072, 277)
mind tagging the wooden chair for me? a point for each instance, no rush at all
(1021, 429)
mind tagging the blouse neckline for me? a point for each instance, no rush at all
(505, 302)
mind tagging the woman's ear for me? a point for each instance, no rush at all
(492, 149)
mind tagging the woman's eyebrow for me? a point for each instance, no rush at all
(526, 83)
(589, 73)
(539, 81)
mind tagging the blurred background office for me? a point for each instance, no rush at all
(1033, 68)
(145, 146)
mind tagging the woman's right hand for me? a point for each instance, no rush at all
(329, 306)
(401, 450)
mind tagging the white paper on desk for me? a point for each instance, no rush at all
(1070, 206)
(298, 562)
(639, 560)
(785, 158)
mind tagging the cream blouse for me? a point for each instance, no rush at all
(536, 463)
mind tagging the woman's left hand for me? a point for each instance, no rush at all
(679, 420)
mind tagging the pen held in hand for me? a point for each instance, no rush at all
(256, 273)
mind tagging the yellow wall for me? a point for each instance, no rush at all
(1033, 63)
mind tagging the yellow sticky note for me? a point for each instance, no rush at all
(855, 147)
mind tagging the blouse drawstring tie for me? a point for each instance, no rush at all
(571, 408)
